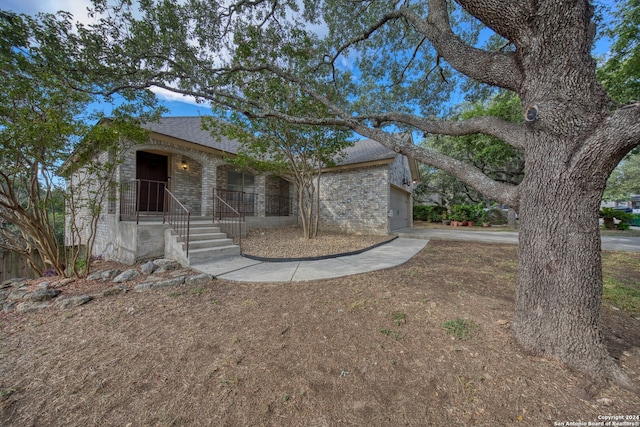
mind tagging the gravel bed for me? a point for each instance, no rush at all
(288, 243)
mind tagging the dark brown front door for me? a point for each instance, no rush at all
(151, 170)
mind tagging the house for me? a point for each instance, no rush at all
(633, 204)
(176, 196)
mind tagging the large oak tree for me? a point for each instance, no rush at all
(382, 65)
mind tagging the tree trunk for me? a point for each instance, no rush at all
(559, 284)
(512, 221)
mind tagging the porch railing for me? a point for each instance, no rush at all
(228, 213)
(141, 197)
(277, 206)
(177, 216)
(245, 203)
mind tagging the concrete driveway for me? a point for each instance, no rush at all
(609, 243)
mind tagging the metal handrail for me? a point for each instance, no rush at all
(227, 216)
(177, 216)
(131, 198)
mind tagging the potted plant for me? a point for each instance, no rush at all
(456, 219)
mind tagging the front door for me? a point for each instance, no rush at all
(152, 171)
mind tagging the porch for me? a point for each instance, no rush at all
(153, 222)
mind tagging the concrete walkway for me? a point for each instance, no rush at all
(242, 269)
(394, 253)
(609, 243)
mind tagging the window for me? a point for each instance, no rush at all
(240, 181)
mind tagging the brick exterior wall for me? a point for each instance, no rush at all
(193, 187)
(355, 200)
(85, 190)
(186, 185)
(358, 200)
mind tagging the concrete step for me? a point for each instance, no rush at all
(206, 236)
(199, 229)
(204, 255)
(203, 244)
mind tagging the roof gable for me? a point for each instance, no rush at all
(190, 129)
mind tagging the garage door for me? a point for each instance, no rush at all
(400, 208)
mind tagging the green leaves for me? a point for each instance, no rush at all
(620, 73)
(625, 179)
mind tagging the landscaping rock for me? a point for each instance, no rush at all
(12, 282)
(43, 285)
(163, 261)
(41, 295)
(74, 301)
(170, 266)
(199, 279)
(142, 287)
(95, 276)
(104, 275)
(28, 306)
(110, 274)
(62, 283)
(126, 275)
(116, 290)
(169, 283)
(9, 307)
(148, 267)
(17, 294)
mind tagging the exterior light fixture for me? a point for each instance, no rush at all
(185, 166)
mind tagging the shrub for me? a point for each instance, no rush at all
(609, 214)
(466, 212)
(496, 216)
(428, 213)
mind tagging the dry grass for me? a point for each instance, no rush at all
(305, 354)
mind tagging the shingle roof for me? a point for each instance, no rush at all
(366, 150)
(190, 129)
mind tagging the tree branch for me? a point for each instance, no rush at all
(504, 193)
(506, 18)
(511, 133)
(608, 145)
(494, 68)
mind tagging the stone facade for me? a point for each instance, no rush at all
(358, 200)
(355, 200)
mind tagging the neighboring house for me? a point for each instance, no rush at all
(633, 203)
(369, 192)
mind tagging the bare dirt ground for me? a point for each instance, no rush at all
(365, 350)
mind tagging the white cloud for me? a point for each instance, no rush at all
(30, 7)
(167, 95)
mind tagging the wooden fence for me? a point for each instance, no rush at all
(13, 265)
